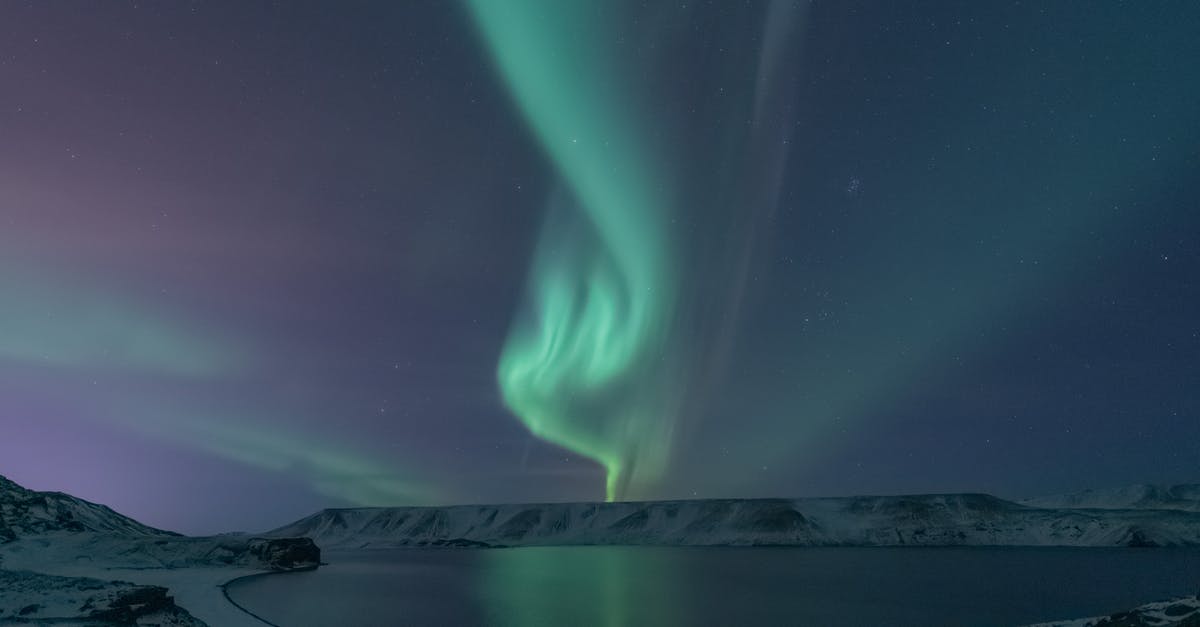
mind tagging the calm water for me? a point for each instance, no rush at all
(609, 586)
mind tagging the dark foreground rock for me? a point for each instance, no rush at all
(34, 598)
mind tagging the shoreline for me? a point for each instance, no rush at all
(225, 593)
(269, 573)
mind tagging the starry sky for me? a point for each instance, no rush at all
(262, 258)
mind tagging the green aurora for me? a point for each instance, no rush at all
(70, 326)
(579, 369)
(71, 333)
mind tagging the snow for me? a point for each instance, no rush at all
(193, 569)
(72, 558)
(921, 520)
(27, 596)
(25, 512)
(60, 591)
(1160, 613)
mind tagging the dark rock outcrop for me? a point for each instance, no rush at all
(286, 553)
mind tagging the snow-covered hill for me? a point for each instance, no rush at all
(25, 512)
(1183, 497)
(58, 554)
(55, 527)
(922, 520)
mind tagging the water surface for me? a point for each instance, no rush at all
(609, 586)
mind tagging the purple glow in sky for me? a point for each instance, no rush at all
(258, 259)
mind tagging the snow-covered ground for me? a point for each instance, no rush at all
(193, 571)
(27, 596)
(60, 554)
(923, 520)
(1180, 612)
(64, 559)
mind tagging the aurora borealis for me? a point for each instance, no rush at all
(258, 259)
(586, 371)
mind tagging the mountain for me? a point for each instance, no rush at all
(1183, 497)
(63, 527)
(24, 512)
(919, 520)
(59, 555)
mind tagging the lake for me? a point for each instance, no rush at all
(610, 586)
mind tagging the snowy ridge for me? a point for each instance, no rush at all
(25, 512)
(1184, 497)
(920, 520)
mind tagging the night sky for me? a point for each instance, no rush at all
(258, 259)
